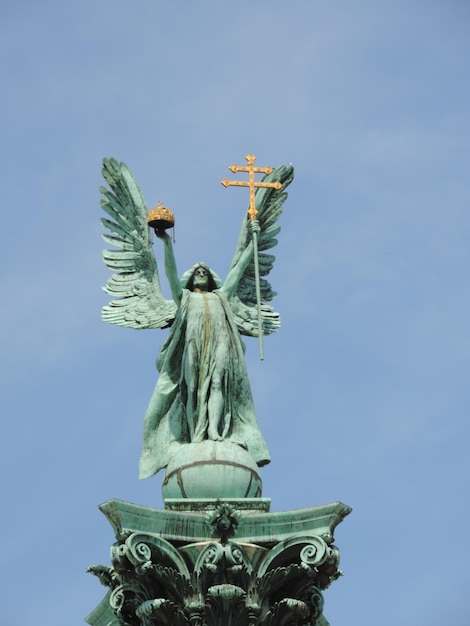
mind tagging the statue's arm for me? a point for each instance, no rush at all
(170, 267)
(233, 278)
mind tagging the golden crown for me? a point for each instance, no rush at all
(160, 218)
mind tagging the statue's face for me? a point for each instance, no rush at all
(201, 279)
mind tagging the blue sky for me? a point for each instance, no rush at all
(364, 394)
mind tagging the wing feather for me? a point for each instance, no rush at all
(139, 301)
(269, 203)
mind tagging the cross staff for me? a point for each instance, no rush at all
(253, 212)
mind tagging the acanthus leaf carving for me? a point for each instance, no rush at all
(161, 611)
(105, 574)
(156, 583)
(288, 611)
(225, 604)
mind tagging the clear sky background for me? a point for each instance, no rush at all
(364, 394)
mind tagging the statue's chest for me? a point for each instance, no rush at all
(204, 311)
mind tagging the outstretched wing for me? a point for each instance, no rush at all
(139, 301)
(269, 203)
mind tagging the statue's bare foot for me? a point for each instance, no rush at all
(214, 435)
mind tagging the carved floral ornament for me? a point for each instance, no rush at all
(211, 583)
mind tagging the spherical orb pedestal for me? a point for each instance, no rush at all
(211, 469)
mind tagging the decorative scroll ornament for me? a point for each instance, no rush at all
(153, 583)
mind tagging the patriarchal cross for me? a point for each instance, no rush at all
(251, 182)
(252, 212)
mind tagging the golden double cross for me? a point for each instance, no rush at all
(251, 182)
(253, 212)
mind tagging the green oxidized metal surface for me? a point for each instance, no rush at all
(203, 392)
(212, 469)
(253, 527)
(215, 555)
(218, 565)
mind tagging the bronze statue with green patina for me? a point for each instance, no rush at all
(202, 392)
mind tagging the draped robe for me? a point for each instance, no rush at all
(204, 344)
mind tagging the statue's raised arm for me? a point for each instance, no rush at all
(170, 267)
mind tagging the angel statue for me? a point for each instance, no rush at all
(202, 390)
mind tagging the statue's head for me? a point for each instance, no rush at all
(201, 277)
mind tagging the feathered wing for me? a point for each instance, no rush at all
(269, 203)
(139, 300)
